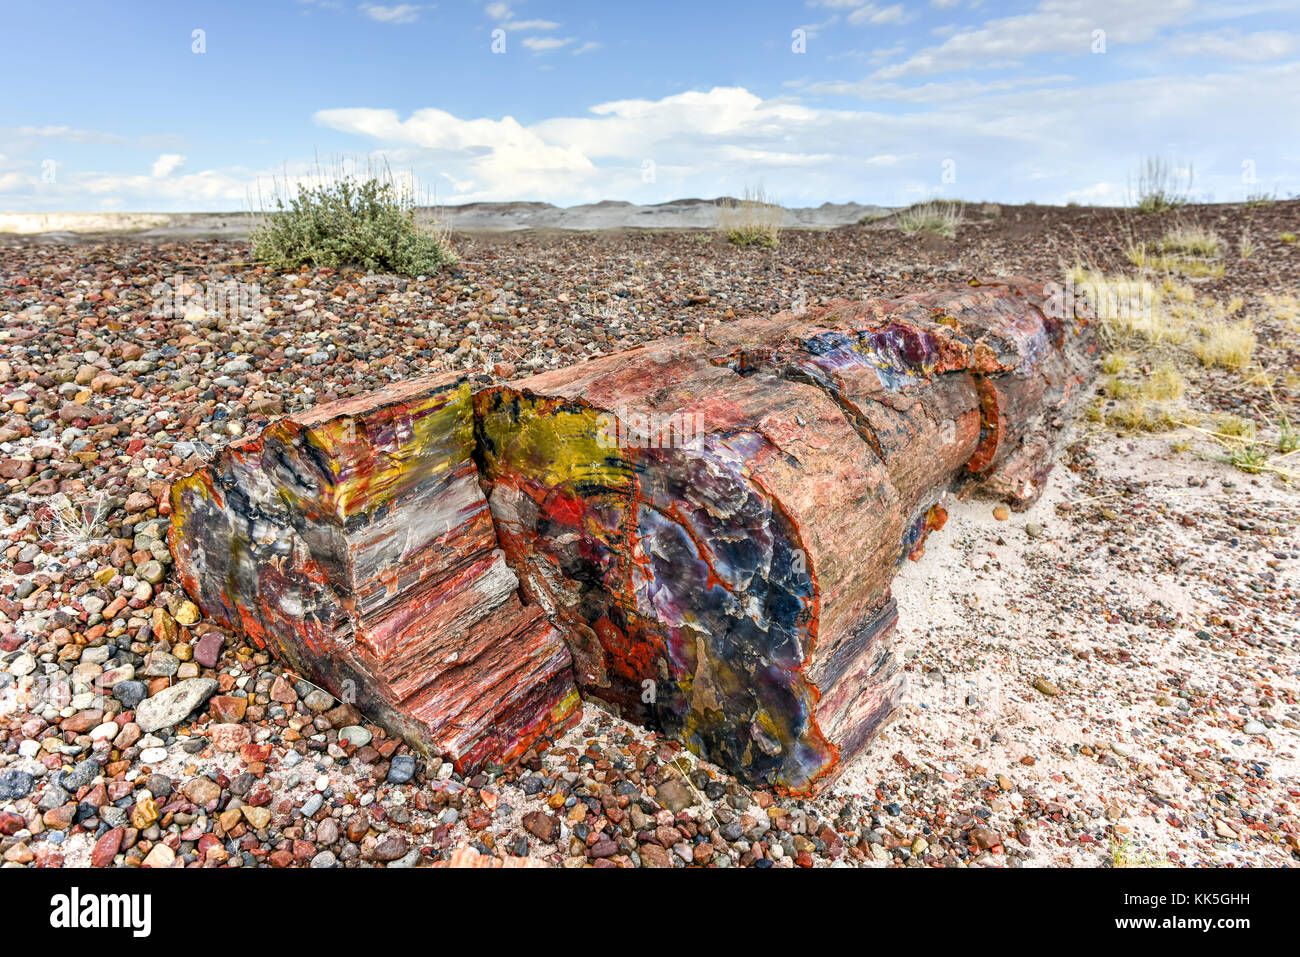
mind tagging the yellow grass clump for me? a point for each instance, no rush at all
(754, 220)
(1190, 241)
(942, 219)
(1228, 346)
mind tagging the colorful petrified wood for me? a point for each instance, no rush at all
(715, 524)
(915, 374)
(704, 531)
(354, 541)
(713, 586)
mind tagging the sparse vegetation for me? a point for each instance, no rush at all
(754, 220)
(1186, 250)
(1161, 186)
(1233, 426)
(1143, 401)
(1124, 853)
(1190, 241)
(76, 525)
(366, 220)
(939, 218)
(1150, 379)
(1115, 362)
(1249, 458)
(1153, 331)
(1285, 309)
(1227, 345)
(1287, 440)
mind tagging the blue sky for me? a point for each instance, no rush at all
(127, 107)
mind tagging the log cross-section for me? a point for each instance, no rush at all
(354, 542)
(702, 532)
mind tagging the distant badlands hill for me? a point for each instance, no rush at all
(484, 217)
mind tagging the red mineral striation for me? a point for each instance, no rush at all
(709, 525)
(354, 542)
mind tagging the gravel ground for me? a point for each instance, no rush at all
(1109, 678)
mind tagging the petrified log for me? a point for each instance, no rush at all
(984, 350)
(354, 541)
(715, 524)
(709, 524)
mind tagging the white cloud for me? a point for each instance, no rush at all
(1056, 26)
(860, 11)
(1234, 45)
(86, 190)
(166, 164)
(1103, 194)
(66, 134)
(1047, 138)
(872, 14)
(402, 13)
(936, 92)
(587, 47)
(1010, 141)
(524, 25)
(546, 44)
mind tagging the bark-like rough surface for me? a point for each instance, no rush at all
(709, 524)
(715, 523)
(354, 542)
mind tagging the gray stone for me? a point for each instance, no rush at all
(130, 693)
(171, 705)
(356, 734)
(318, 700)
(83, 773)
(15, 784)
(402, 769)
(160, 664)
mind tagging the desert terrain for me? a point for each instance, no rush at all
(1109, 678)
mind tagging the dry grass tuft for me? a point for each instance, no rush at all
(754, 220)
(1161, 186)
(1226, 346)
(1163, 333)
(74, 526)
(941, 219)
(1285, 309)
(1190, 241)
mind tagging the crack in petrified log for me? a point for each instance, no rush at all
(710, 525)
(355, 542)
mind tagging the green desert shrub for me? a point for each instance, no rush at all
(370, 222)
